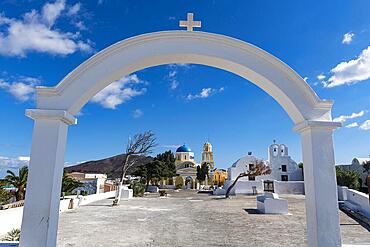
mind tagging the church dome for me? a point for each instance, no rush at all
(183, 149)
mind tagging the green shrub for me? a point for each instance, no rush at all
(179, 186)
(13, 235)
(138, 188)
(351, 179)
(5, 196)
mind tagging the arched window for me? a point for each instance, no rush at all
(275, 151)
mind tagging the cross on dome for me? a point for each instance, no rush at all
(190, 23)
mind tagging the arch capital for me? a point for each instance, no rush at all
(312, 124)
(47, 114)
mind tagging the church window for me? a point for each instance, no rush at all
(283, 168)
(251, 167)
(252, 178)
(284, 177)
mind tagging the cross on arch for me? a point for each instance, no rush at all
(190, 23)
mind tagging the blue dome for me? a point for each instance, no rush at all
(183, 149)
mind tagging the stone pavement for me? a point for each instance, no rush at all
(189, 219)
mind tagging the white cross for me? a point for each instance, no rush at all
(190, 23)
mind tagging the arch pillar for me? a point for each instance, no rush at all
(41, 208)
(322, 213)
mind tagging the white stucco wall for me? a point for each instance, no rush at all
(289, 187)
(278, 156)
(242, 165)
(12, 218)
(355, 200)
(244, 187)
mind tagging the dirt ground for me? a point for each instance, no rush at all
(186, 218)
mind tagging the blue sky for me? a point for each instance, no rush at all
(327, 43)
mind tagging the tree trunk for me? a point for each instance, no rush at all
(117, 199)
(234, 183)
(124, 168)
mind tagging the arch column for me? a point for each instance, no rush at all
(322, 213)
(41, 209)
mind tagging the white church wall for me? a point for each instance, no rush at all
(279, 156)
(244, 187)
(289, 187)
(240, 166)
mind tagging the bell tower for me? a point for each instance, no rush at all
(207, 155)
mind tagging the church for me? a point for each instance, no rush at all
(186, 167)
(283, 167)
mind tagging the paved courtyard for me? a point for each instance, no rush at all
(189, 219)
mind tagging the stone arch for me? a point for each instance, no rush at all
(148, 50)
(56, 107)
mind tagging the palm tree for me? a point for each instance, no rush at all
(69, 183)
(18, 182)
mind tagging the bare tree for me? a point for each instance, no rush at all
(140, 144)
(259, 170)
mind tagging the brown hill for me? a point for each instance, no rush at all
(111, 166)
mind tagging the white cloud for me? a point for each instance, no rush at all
(36, 32)
(172, 74)
(22, 88)
(137, 113)
(172, 79)
(344, 118)
(80, 25)
(169, 145)
(321, 77)
(13, 164)
(351, 125)
(74, 9)
(347, 38)
(204, 93)
(120, 91)
(51, 11)
(365, 125)
(351, 72)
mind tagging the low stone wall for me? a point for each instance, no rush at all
(9, 219)
(289, 187)
(97, 197)
(355, 200)
(244, 187)
(12, 218)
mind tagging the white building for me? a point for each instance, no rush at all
(357, 166)
(245, 164)
(92, 183)
(283, 167)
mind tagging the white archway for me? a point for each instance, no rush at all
(56, 107)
